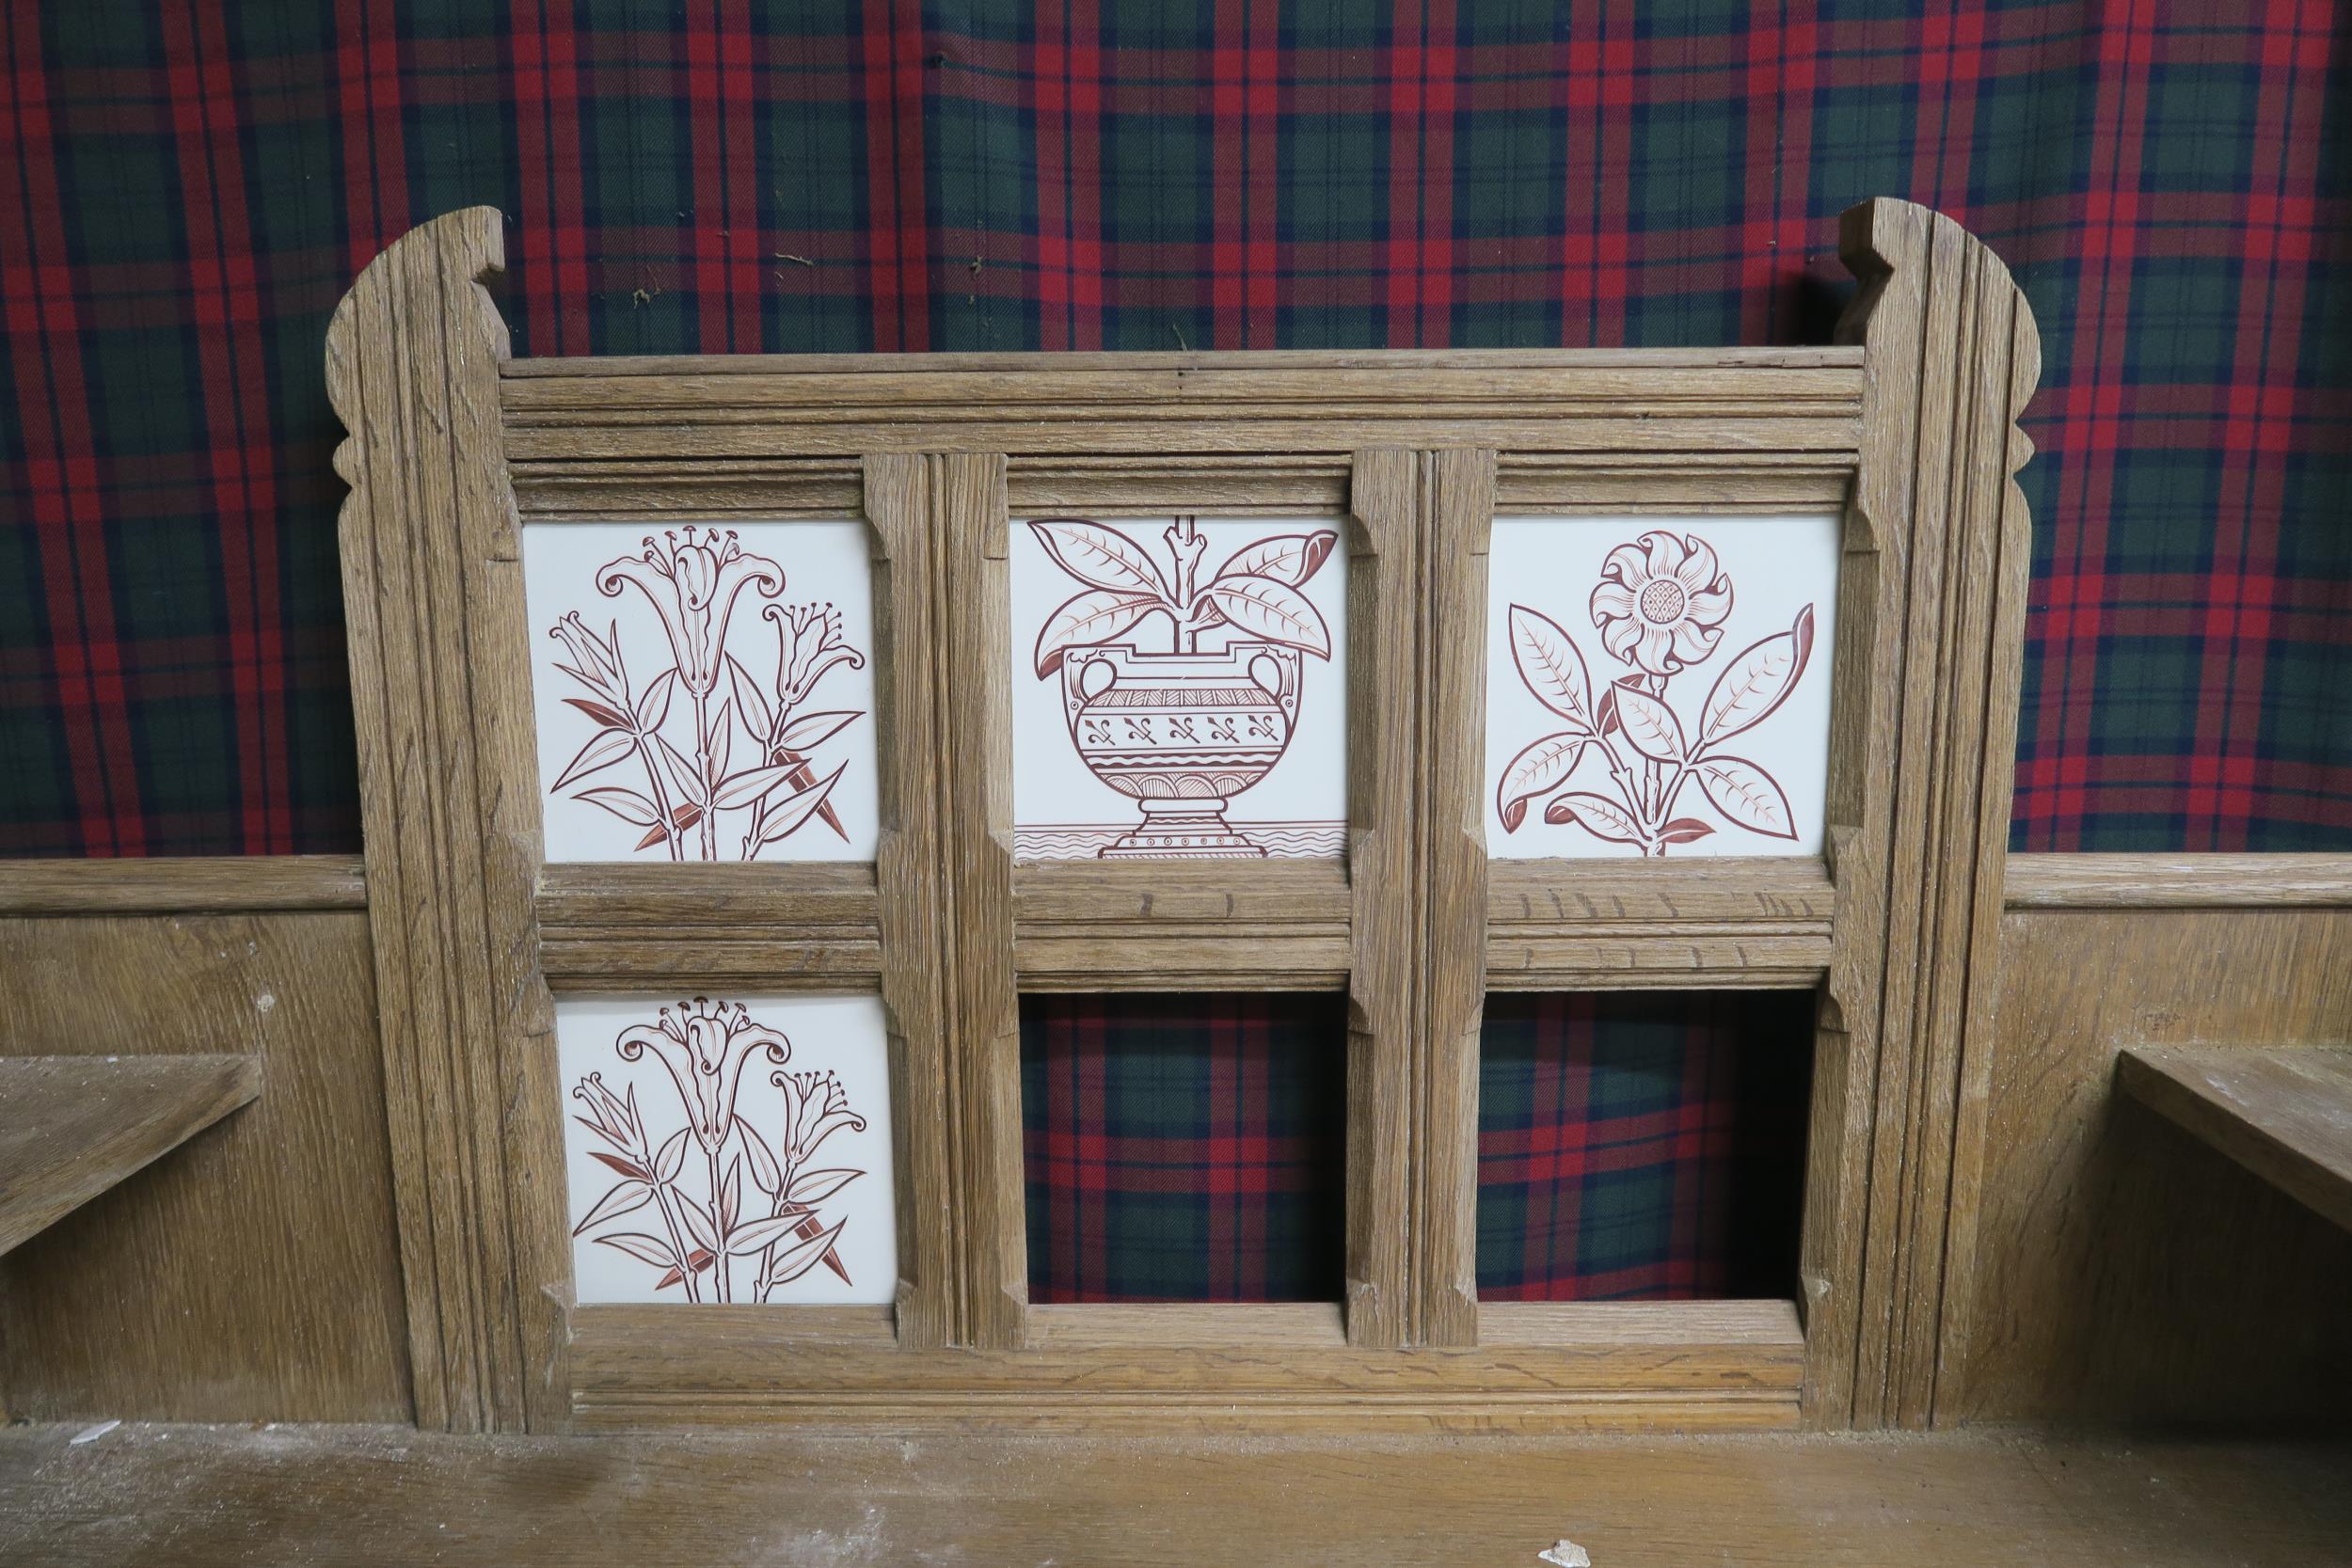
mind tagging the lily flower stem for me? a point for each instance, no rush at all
(677, 1242)
(661, 791)
(718, 1222)
(708, 827)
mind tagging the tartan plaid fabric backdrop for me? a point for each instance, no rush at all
(187, 186)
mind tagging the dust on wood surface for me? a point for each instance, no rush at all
(194, 1496)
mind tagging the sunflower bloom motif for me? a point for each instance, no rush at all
(1662, 603)
(1659, 607)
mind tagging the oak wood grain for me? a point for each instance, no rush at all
(2178, 881)
(70, 1127)
(2121, 1274)
(194, 884)
(253, 1275)
(2285, 1114)
(450, 801)
(201, 1498)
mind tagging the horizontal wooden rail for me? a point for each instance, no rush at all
(2178, 881)
(197, 884)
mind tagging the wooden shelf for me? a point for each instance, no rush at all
(70, 1127)
(2285, 1114)
(200, 1496)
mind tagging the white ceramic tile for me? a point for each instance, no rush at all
(808, 1135)
(1136, 737)
(1659, 686)
(761, 634)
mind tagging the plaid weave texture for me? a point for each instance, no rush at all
(1185, 1148)
(1642, 1146)
(187, 187)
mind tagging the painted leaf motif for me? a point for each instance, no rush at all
(1685, 829)
(1550, 666)
(626, 804)
(653, 703)
(1596, 814)
(1535, 771)
(1650, 726)
(1291, 558)
(600, 754)
(620, 1200)
(626, 1167)
(750, 701)
(785, 817)
(1094, 616)
(1747, 795)
(1756, 681)
(759, 1233)
(728, 1191)
(1100, 557)
(720, 743)
(815, 1186)
(764, 1172)
(700, 1225)
(601, 713)
(1271, 610)
(814, 729)
(795, 1261)
(645, 1249)
(742, 788)
(672, 1156)
(686, 775)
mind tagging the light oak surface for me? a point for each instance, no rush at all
(70, 1127)
(192, 1497)
(254, 1273)
(2178, 881)
(2120, 1272)
(2286, 1115)
(1909, 425)
(195, 884)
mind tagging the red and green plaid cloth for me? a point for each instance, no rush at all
(187, 187)
(1192, 1147)
(1185, 1147)
(1642, 1145)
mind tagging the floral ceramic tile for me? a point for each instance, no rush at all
(733, 1150)
(703, 693)
(1179, 689)
(1659, 686)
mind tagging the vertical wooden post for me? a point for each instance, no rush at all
(1458, 523)
(441, 684)
(1950, 358)
(1383, 996)
(973, 607)
(913, 892)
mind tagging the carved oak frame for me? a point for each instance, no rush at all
(1908, 427)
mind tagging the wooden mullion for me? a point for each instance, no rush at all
(909, 893)
(1456, 527)
(1383, 636)
(974, 690)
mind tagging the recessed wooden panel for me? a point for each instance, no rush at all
(1384, 469)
